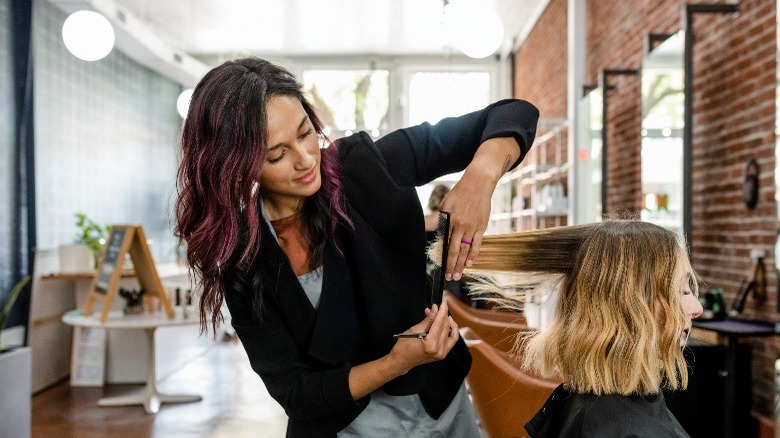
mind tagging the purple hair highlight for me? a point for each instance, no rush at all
(223, 151)
(333, 200)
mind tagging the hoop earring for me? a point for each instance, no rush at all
(322, 140)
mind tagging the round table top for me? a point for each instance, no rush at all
(118, 320)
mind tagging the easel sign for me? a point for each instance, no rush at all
(125, 239)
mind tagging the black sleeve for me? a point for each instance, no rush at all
(422, 153)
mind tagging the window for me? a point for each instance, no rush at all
(435, 95)
(349, 100)
(588, 159)
(663, 108)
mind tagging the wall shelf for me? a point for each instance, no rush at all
(534, 194)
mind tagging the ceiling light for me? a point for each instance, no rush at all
(475, 30)
(88, 35)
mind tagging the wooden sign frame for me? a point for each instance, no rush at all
(125, 239)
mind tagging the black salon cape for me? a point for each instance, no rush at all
(570, 415)
(377, 288)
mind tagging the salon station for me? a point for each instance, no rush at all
(665, 111)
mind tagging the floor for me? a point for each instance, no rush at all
(235, 402)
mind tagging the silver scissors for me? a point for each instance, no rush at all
(420, 335)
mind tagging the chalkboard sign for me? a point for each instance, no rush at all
(110, 262)
(123, 240)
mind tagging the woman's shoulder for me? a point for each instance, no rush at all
(569, 414)
(632, 415)
(637, 404)
(347, 146)
(357, 153)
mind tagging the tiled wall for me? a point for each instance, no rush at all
(6, 147)
(105, 140)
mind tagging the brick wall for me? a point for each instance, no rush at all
(541, 63)
(734, 119)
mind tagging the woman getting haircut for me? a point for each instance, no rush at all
(627, 298)
(319, 252)
(432, 218)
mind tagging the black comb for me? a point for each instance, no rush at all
(437, 274)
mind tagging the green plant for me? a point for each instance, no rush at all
(91, 233)
(9, 303)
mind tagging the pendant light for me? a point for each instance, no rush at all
(88, 35)
(183, 102)
(472, 28)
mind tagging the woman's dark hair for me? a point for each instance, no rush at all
(224, 142)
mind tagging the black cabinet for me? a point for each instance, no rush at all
(700, 408)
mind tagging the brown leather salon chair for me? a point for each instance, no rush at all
(504, 397)
(497, 328)
(491, 314)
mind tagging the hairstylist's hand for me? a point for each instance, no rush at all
(442, 335)
(469, 205)
(469, 201)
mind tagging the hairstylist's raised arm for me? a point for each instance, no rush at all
(469, 201)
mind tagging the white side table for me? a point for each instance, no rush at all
(148, 396)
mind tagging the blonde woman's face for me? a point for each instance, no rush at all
(692, 309)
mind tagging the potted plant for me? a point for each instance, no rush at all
(15, 378)
(91, 233)
(82, 255)
(9, 303)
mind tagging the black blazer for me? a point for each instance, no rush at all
(373, 283)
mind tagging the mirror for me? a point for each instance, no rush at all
(663, 110)
(588, 160)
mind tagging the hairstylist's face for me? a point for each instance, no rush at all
(692, 309)
(291, 170)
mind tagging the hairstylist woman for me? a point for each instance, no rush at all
(320, 253)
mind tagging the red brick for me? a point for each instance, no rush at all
(734, 120)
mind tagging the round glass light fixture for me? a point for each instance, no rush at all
(183, 102)
(473, 29)
(88, 35)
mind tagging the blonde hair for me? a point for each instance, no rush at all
(619, 316)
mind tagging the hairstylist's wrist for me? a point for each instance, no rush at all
(483, 174)
(494, 157)
(396, 363)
